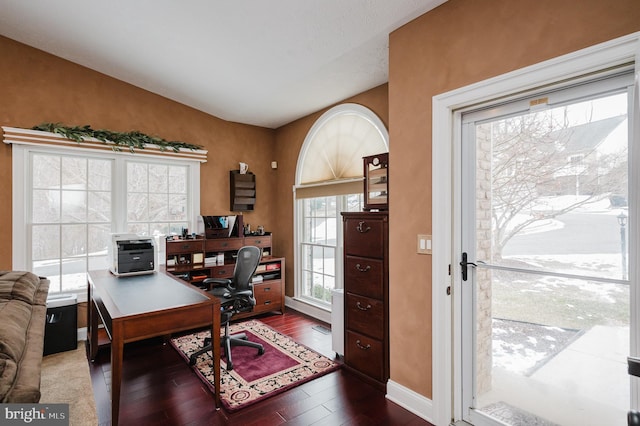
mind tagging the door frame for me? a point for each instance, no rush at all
(446, 134)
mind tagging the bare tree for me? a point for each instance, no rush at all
(537, 156)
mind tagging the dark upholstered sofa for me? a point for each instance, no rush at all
(23, 311)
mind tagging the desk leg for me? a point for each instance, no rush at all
(117, 347)
(92, 325)
(215, 343)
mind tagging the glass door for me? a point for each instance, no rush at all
(546, 301)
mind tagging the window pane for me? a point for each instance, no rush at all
(46, 171)
(74, 206)
(178, 207)
(99, 178)
(74, 240)
(137, 207)
(45, 206)
(158, 176)
(45, 242)
(158, 207)
(137, 178)
(178, 180)
(62, 203)
(321, 229)
(74, 173)
(99, 239)
(99, 208)
(157, 204)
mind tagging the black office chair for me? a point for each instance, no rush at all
(236, 295)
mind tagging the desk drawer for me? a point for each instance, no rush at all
(365, 315)
(268, 293)
(258, 241)
(364, 276)
(365, 355)
(222, 271)
(184, 246)
(223, 244)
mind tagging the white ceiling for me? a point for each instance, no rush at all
(258, 62)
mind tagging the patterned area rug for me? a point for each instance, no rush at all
(254, 377)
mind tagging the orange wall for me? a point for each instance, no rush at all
(457, 44)
(36, 87)
(289, 140)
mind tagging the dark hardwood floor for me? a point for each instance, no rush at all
(159, 388)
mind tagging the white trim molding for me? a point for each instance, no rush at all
(410, 400)
(14, 135)
(446, 404)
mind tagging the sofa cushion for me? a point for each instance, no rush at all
(19, 285)
(8, 371)
(15, 316)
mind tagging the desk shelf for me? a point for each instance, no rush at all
(269, 280)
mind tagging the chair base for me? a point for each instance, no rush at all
(226, 342)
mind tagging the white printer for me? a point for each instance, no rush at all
(130, 254)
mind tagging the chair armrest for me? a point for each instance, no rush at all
(217, 282)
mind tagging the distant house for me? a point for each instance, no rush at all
(592, 154)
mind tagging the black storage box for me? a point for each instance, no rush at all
(60, 332)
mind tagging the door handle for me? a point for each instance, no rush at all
(464, 264)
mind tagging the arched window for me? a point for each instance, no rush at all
(329, 181)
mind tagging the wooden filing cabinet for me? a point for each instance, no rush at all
(366, 285)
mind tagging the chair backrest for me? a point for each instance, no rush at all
(246, 265)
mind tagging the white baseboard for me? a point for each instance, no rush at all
(82, 334)
(308, 309)
(410, 400)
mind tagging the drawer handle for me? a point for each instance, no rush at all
(267, 302)
(361, 269)
(364, 348)
(258, 241)
(361, 228)
(359, 306)
(266, 289)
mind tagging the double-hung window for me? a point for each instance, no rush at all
(329, 182)
(68, 202)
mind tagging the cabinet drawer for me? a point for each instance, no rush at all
(364, 237)
(364, 276)
(184, 246)
(223, 244)
(258, 241)
(365, 315)
(365, 355)
(269, 290)
(268, 296)
(222, 271)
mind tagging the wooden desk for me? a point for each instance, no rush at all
(142, 306)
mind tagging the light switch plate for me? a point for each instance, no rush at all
(424, 244)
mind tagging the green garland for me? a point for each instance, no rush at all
(133, 140)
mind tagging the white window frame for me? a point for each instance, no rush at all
(21, 202)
